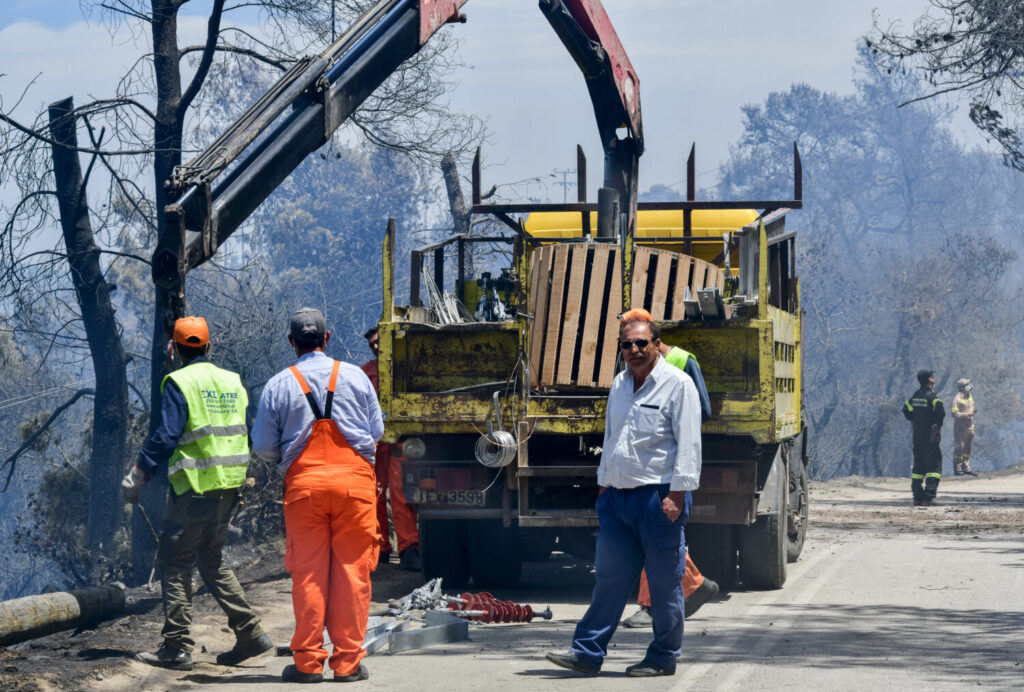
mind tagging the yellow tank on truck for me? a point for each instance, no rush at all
(651, 224)
(710, 223)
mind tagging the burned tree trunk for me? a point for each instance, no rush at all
(457, 203)
(110, 411)
(26, 618)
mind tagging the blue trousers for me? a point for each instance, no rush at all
(634, 534)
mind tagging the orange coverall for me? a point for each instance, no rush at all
(692, 579)
(329, 513)
(388, 470)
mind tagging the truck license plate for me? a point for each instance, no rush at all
(473, 498)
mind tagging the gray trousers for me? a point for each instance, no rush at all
(195, 531)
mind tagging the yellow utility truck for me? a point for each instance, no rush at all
(496, 387)
(496, 390)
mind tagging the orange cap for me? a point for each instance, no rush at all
(636, 314)
(191, 331)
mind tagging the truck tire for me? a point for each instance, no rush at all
(796, 528)
(712, 548)
(443, 551)
(536, 544)
(494, 555)
(763, 546)
(579, 541)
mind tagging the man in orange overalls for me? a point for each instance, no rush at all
(320, 421)
(388, 470)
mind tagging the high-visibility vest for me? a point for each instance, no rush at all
(678, 356)
(213, 451)
(963, 404)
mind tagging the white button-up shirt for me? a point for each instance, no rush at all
(652, 436)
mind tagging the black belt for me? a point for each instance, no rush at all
(639, 487)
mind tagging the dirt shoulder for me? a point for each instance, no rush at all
(100, 657)
(987, 503)
(843, 511)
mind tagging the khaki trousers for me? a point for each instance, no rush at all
(195, 531)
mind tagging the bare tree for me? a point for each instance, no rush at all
(908, 259)
(147, 122)
(971, 47)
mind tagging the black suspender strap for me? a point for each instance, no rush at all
(330, 389)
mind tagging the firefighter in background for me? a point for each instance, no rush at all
(320, 421)
(925, 412)
(388, 470)
(963, 428)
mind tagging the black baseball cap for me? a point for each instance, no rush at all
(308, 325)
(923, 375)
(370, 332)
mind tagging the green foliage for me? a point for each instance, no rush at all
(29, 426)
(60, 508)
(57, 512)
(260, 517)
(969, 47)
(908, 258)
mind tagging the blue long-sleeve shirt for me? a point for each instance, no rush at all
(693, 370)
(284, 418)
(159, 447)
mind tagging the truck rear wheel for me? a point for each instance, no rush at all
(494, 556)
(536, 544)
(713, 549)
(764, 545)
(443, 551)
(796, 528)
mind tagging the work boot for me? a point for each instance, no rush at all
(707, 590)
(640, 619)
(243, 651)
(646, 669)
(361, 674)
(571, 662)
(410, 560)
(166, 657)
(293, 674)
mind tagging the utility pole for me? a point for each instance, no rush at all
(566, 183)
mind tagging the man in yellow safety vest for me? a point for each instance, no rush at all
(202, 444)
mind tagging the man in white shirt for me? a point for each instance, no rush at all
(650, 462)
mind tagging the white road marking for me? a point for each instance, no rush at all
(799, 591)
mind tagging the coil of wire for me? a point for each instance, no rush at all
(496, 449)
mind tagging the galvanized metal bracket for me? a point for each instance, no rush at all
(440, 628)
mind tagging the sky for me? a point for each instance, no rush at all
(698, 62)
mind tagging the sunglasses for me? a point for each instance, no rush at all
(628, 345)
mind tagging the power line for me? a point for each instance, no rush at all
(43, 393)
(566, 183)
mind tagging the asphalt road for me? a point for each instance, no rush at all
(899, 612)
(884, 597)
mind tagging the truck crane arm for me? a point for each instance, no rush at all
(258, 151)
(587, 33)
(218, 189)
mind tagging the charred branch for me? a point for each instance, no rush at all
(12, 460)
